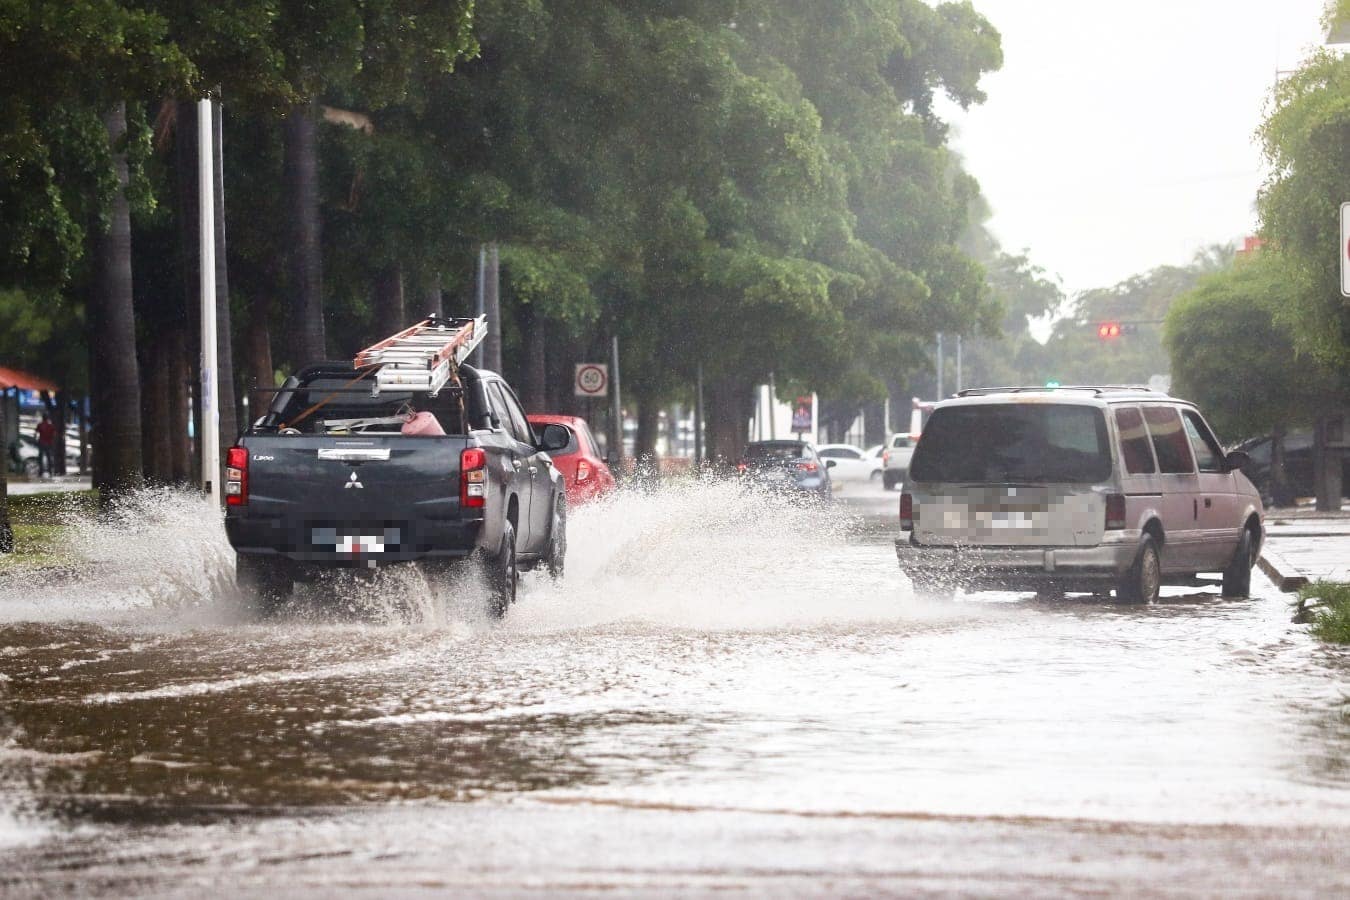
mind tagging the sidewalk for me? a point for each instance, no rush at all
(44, 486)
(1304, 545)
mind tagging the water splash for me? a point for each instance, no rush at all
(695, 553)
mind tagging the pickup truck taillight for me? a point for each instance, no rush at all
(473, 477)
(1115, 512)
(906, 512)
(583, 470)
(236, 476)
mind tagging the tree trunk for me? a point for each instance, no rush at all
(536, 362)
(390, 317)
(649, 423)
(113, 328)
(180, 375)
(156, 444)
(226, 401)
(258, 353)
(433, 301)
(492, 345)
(308, 342)
(728, 411)
(6, 529)
(1280, 495)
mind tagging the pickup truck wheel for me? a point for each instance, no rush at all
(503, 574)
(1143, 579)
(557, 539)
(264, 582)
(1237, 578)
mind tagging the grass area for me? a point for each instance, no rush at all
(1331, 616)
(40, 523)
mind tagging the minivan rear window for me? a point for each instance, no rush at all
(1014, 443)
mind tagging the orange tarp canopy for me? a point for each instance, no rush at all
(11, 378)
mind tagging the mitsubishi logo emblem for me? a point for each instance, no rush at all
(353, 483)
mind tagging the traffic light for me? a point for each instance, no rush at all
(1109, 331)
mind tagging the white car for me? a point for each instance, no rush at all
(849, 463)
(1073, 489)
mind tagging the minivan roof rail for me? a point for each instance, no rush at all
(1093, 388)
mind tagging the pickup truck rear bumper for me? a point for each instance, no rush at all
(975, 567)
(352, 545)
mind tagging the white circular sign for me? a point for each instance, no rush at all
(592, 380)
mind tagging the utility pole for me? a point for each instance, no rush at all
(492, 346)
(616, 409)
(478, 300)
(773, 416)
(206, 203)
(698, 417)
(940, 395)
(958, 363)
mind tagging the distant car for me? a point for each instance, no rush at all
(1073, 489)
(583, 469)
(1298, 466)
(28, 456)
(849, 463)
(788, 466)
(895, 459)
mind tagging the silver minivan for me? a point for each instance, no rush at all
(1075, 489)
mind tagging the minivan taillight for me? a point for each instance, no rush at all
(1115, 512)
(236, 477)
(906, 512)
(473, 477)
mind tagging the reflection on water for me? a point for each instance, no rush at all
(709, 648)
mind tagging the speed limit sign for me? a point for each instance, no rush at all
(592, 380)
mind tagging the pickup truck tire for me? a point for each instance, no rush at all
(264, 582)
(503, 573)
(557, 539)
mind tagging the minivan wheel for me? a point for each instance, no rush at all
(503, 574)
(1237, 578)
(1143, 580)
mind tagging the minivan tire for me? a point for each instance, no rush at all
(1237, 578)
(1143, 579)
(265, 582)
(503, 574)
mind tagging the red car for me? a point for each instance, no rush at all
(584, 472)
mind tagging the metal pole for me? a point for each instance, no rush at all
(698, 417)
(209, 439)
(478, 302)
(815, 418)
(773, 413)
(940, 395)
(958, 363)
(617, 401)
(492, 347)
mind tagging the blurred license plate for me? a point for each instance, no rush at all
(355, 543)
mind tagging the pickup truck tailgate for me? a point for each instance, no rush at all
(362, 500)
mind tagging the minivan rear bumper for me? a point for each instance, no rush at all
(1015, 567)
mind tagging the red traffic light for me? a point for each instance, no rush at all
(1108, 330)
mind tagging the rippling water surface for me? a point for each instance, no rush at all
(709, 650)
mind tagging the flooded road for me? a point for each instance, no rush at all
(726, 693)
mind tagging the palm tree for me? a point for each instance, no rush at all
(115, 378)
(308, 342)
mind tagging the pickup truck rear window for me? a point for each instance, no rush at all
(1014, 443)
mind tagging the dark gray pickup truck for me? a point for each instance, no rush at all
(328, 478)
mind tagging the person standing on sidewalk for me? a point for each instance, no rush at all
(46, 441)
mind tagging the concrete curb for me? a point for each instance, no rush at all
(1286, 575)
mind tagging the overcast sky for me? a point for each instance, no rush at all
(1120, 136)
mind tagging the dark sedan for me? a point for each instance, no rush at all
(788, 466)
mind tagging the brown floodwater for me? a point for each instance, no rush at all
(726, 692)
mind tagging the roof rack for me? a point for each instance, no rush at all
(1093, 388)
(425, 356)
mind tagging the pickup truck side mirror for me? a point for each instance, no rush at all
(554, 437)
(1236, 459)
